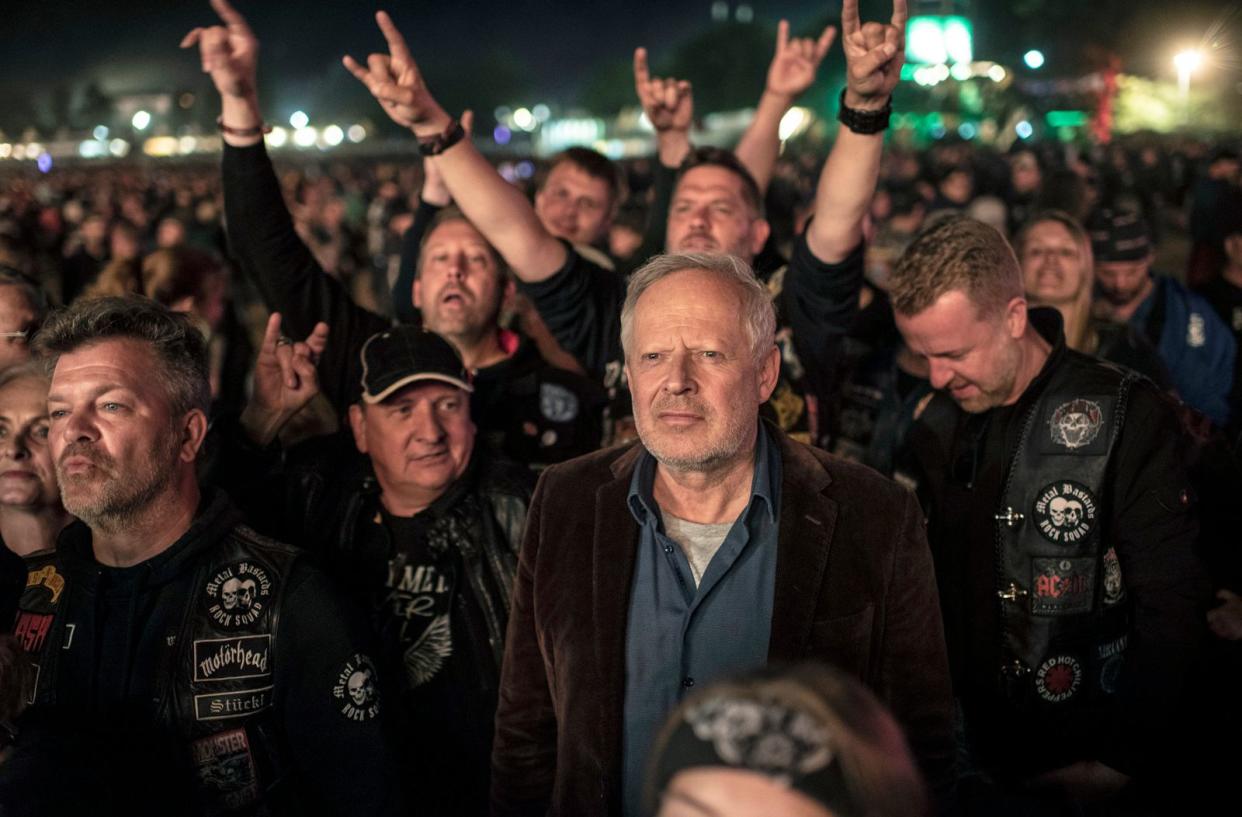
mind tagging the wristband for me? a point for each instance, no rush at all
(865, 122)
(258, 130)
(435, 145)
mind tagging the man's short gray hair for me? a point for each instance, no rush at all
(757, 315)
(178, 345)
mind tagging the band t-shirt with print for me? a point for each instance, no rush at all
(449, 727)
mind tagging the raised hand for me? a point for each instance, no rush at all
(874, 54)
(796, 60)
(397, 84)
(229, 52)
(285, 379)
(668, 103)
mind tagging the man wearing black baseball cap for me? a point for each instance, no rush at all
(1195, 344)
(423, 531)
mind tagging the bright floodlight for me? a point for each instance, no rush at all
(299, 119)
(1188, 61)
(333, 135)
(524, 119)
(141, 120)
(792, 122)
(1034, 59)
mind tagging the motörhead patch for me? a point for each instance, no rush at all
(357, 689)
(49, 578)
(1075, 427)
(225, 769)
(1114, 587)
(1062, 586)
(1058, 678)
(1065, 512)
(227, 659)
(238, 594)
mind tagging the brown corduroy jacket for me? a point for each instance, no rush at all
(855, 588)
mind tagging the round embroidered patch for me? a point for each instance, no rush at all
(1058, 678)
(1076, 424)
(1065, 512)
(238, 594)
(356, 689)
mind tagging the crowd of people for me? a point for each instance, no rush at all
(724, 482)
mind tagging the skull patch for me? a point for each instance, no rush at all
(356, 689)
(1076, 424)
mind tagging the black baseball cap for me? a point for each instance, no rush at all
(404, 355)
(1119, 235)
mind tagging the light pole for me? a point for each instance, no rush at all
(1186, 62)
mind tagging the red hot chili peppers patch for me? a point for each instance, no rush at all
(1058, 678)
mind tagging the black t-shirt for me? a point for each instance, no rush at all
(423, 619)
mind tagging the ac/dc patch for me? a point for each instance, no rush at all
(238, 595)
(225, 769)
(1058, 678)
(356, 689)
(1077, 426)
(1062, 586)
(1065, 512)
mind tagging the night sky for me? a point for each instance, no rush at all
(539, 49)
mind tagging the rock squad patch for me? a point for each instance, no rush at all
(238, 595)
(356, 689)
(1065, 512)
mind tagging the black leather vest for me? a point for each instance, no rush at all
(214, 680)
(1063, 608)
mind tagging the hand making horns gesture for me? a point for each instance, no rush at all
(229, 53)
(874, 54)
(395, 81)
(796, 60)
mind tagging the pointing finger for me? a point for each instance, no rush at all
(357, 70)
(317, 341)
(782, 35)
(642, 75)
(849, 16)
(825, 42)
(899, 14)
(271, 334)
(191, 38)
(231, 16)
(396, 42)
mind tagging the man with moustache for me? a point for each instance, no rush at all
(714, 546)
(199, 667)
(1060, 521)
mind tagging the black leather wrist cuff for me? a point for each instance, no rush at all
(865, 122)
(453, 133)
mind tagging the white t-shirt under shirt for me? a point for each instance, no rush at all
(698, 541)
